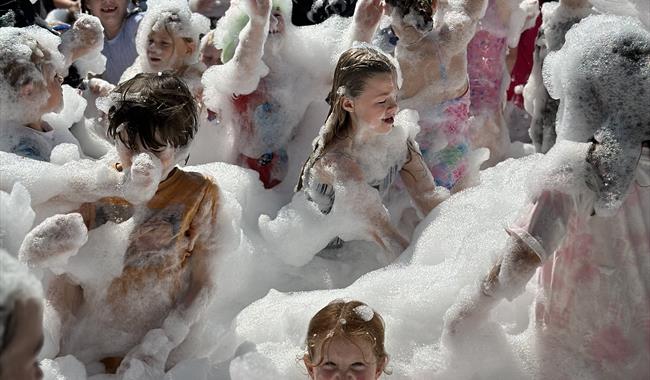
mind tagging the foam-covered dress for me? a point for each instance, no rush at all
(594, 304)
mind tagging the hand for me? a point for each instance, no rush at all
(54, 240)
(99, 87)
(407, 34)
(85, 35)
(368, 13)
(204, 7)
(153, 351)
(72, 5)
(141, 182)
(257, 10)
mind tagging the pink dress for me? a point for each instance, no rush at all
(594, 306)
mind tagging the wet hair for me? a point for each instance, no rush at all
(156, 107)
(354, 68)
(351, 320)
(420, 9)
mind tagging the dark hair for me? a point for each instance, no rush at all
(157, 107)
(422, 9)
(353, 69)
(346, 320)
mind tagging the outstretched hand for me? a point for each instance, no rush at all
(257, 10)
(368, 13)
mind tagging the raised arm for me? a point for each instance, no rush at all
(367, 14)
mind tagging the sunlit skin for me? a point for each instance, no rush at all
(18, 360)
(54, 99)
(345, 359)
(111, 13)
(210, 55)
(373, 111)
(167, 52)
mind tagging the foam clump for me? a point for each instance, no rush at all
(63, 368)
(364, 312)
(17, 218)
(73, 109)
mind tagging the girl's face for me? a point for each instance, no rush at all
(345, 359)
(18, 359)
(110, 13)
(54, 89)
(375, 108)
(166, 52)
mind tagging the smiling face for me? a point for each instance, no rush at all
(167, 52)
(374, 110)
(344, 359)
(111, 14)
(18, 359)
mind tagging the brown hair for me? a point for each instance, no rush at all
(353, 69)
(157, 107)
(343, 319)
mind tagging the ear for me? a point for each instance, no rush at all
(380, 367)
(190, 48)
(347, 104)
(310, 369)
(26, 90)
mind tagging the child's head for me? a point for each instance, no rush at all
(210, 55)
(111, 13)
(31, 73)
(21, 321)
(345, 339)
(363, 94)
(169, 35)
(153, 113)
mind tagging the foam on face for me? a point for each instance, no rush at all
(19, 47)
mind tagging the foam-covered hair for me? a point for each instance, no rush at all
(16, 283)
(234, 21)
(26, 52)
(175, 17)
(601, 77)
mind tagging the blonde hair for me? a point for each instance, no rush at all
(350, 320)
(353, 69)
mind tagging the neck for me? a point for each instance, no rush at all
(36, 125)
(361, 136)
(111, 31)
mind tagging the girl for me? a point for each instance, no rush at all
(346, 340)
(359, 147)
(120, 26)
(432, 51)
(168, 39)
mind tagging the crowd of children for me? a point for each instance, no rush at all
(238, 82)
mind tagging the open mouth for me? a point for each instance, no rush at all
(155, 60)
(389, 120)
(108, 9)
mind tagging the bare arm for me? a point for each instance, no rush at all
(367, 14)
(420, 184)
(250, 49)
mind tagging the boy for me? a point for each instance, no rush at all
(170, 246)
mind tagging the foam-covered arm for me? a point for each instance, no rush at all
(419, 182)
(367, 15)
(249, 52)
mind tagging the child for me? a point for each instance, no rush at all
(489, 73)
(432, 52)
(31, 73)
(345, 340)
(168, 39)
(588, 221)
(120, 27)
(21, 321)
(557, 19)
(272, 73)
(170, 249)
(210, 55)
(359, 147)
